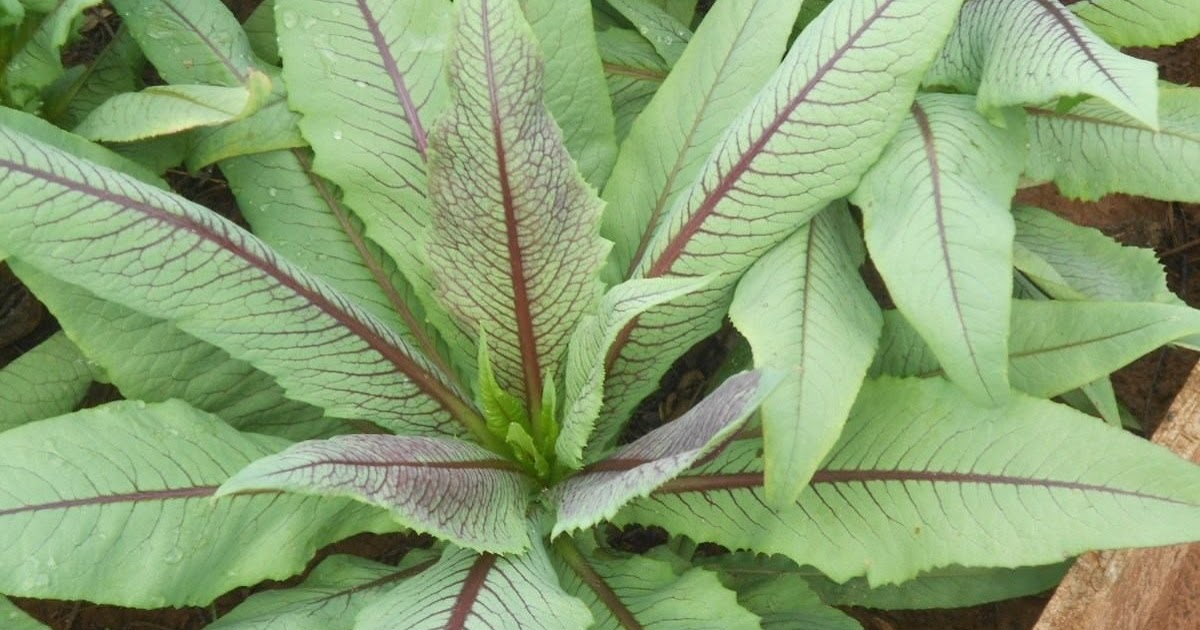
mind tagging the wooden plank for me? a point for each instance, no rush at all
(1139, 589)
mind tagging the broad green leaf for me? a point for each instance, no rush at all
(807, 314)
(1073, 262)
(783, 599)
(39, 62)
(633, 71)
(43, 131)
(114, 505)
(1056, 346)
(379, 65)
(157, 154)
(12, 12)
(454, 489)
(171, 259)
(14, 618)
(328, 599)
(469, 590)
(271, 128)
(515, 246)
(735, 50)
(117, 69)
(588, 346)
(190, 41)
(937, 223)
(633, 471)
(632, 591)
(1139, 22)
(1030, 52)
(165, 109)
(576, 93)
(804, 141)
(683, 11)
(152, 360)
(291, 208)
(958, 483)
(1095, 149)
(47, 381)
(668, 36)
(260, 32)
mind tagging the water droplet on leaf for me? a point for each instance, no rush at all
(173, 556)
(273, 192)
(290, 19)
(337, 134)
(309, 23)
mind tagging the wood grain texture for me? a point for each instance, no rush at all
(1139, 589)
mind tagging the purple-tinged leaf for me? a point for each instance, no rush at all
(469, 590)
(453, 489)
(515, 243)
(804, 141)
(922, 478)
(633, 471)
(171, 259)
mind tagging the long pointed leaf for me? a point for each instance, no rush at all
(633, 71)
(39, 62)
(468, 590)
(1139, 22)
(137, 525)
(190, 41)
(515, 245)
(599, 490)
(937, 223)
(1028, 483)
(1030, 52)
(165, 109)
(821, 120)
(732, 55)
(668, 36)
(451, 488)
(806, 313)
(1095, 149)
(782, 598)
(46, 381)
(171, 259)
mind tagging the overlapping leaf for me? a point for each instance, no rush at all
(514, 246)
(271, 128)
(955, 483)
(1139, 22)
(38, 63)
(937, 222)
(1095, 149)
(170, 259)
(72, 531)
(46, 381)
(634, 72)
(666, 33)
(599, 490)
(1030, 52)
(806, 313)
(821, 120)
(459, 491)
(329, 599)
(165, 109)
(783, 599)
(1056, 346)
(190, 41)
(736, 48)
(469, 590)
(117, 69)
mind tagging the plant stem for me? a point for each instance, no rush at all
(570, 554)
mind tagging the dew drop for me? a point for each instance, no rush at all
(173, 556)
(361, 84)
(290, 19)
(40, 580)
(337, 134)
(273, 192)
(309, 23)
(337, 12)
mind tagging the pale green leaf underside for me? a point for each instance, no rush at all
(589, 344)
(937, 223)
(733, 53)
(454, 489)
(378, 64)
(668, 36)
(137, 526)
(190, 41)
(1140, 22)
(1095, 149)
(598, 491)
(959, 484)
(38, 63)
(468, 590)
(13, 618)
(633, 71)
(657, 594)
(952, 587)
(806, 313)
(514, 247)
(271, 128)
(1030, 52)
(781, 597)
(804, 141)
(171, 259)
(576, 93)
(46, 381)
(328, 599)
(165, 109)
(151, 360)
(1055, 346)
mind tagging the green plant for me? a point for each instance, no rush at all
(424, 332)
